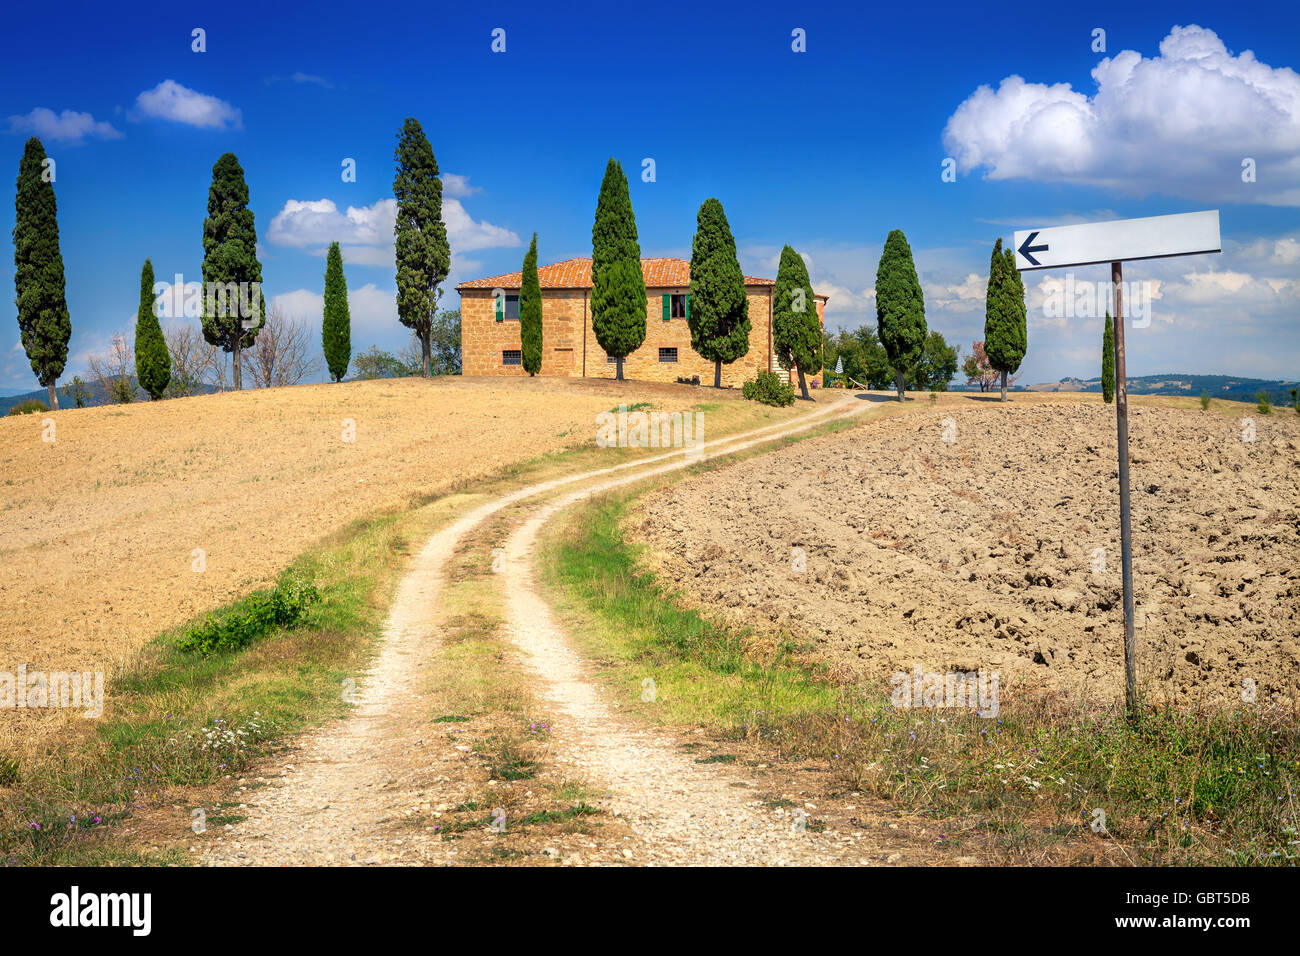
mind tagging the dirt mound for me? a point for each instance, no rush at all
(999, 549)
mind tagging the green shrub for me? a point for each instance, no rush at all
(1261, 400)
(254, 617)
(29, 406)
(1205, 400)
(769, 389)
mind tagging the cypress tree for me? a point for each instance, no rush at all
(719, 313)
(336, 323)
(423, 255)
(1005, 337)
(44, 325)
(153, 363)
(1108, 360)
(530, 312)
(231, 271)
(618, 302)
(796, 331)
(900, 307)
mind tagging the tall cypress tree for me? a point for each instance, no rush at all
(336, 323)
(44, 325)
(900, 307)
(423, 255)
(1005, 339)
(618, 302)
(1108, 360)
(231, 271)
(719, 319)
(530, 312)
(153, 363)
(796, 331)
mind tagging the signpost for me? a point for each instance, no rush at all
(1095, 243)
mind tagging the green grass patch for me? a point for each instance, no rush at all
(667, 661)
(254, 617)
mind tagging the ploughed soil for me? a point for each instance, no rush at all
(999, 550)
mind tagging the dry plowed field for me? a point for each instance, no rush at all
(100, 528)
(982, 553)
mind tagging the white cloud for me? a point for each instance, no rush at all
(466, 235)
(458, 186)
(1179, 123)
(366, 233)
(370, 308)
(962, 296)
(1280, 252)
(318, 222)
(66, 127)
(310, 78)
(171, 101)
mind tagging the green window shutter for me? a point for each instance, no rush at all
(688, 305)
(668, 307)
(501, 308)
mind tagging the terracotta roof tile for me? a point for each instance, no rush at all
(664, 273)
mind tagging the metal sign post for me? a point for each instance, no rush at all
(1125, 530)
(1156, 237)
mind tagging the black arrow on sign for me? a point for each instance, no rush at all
(1025, 248)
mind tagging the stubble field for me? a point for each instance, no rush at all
(105, 529)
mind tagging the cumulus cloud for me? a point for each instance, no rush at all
(313, 222)
(366, 233)
(67, 127)
(1180, 123)
(458, 186)
(370, 308)
(466, 235)
(964, 295)
(179, 104)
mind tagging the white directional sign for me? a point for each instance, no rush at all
(1122, 240)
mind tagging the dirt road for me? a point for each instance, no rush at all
(330, 804)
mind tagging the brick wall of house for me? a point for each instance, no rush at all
(644, 363)
(483, 338)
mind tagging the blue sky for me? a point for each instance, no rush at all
(827, 150)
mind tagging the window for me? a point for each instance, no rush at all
(677, 305)
(512, 357)
(610, 360)
(668, 355)
(506, 307)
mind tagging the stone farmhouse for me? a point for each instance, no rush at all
(490, 342)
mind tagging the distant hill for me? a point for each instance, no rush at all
(65, 396)
(1232, 388)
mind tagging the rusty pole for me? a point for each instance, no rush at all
(1125, 529)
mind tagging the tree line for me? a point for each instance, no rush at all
(901, 350)
(901, 347)
(271, 347)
